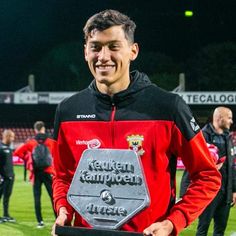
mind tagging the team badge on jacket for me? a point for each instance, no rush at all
(135, 143)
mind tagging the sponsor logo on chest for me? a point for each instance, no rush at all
(86, 116)
(91, 144)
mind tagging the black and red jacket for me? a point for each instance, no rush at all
(25, 150)
(163, 124)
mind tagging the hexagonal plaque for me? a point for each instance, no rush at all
(108, 187)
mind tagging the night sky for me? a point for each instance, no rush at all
(31, 28)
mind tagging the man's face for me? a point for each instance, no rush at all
(226, 120)
(108, 54)
(9, 138)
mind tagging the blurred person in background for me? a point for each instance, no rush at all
(223, 152)
(36, 153)
(7, 175)
(118, 105)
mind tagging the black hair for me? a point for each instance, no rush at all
(108, 18)
(38, 125)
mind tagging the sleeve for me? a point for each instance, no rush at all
(188, 143)
(23, 150)
(2, 159)
(50, 143)
(63, 166)
(234, 175)
(233, 151)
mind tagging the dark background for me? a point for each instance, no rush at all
(41, 37)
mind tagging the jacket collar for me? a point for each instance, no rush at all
(138, 81)
(209, 128)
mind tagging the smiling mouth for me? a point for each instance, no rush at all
(104, 67)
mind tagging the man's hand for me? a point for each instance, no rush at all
(233, 199)
(61, 219)
(218, 166)
(163, 228)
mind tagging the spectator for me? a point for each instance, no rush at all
(38, 174)
(220, 142)
(6, 173)
(119, 105)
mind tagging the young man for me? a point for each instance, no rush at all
(118, 105)
(6, 173)
(38, 176)
(217, 135)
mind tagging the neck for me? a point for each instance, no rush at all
(218, 129)
(111, 89)
(5, 142)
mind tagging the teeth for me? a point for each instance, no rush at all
(104, 67)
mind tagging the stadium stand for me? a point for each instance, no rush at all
(20, 118)
(23, 131)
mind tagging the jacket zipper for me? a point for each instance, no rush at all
(113, 111)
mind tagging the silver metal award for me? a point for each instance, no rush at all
(108, 189)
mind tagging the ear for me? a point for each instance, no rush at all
(134, 51)
(85, 52)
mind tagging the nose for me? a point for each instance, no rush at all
(104, 54)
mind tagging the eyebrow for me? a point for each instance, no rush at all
(99, 42)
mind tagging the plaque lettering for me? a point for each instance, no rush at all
(111, 165)
(109, 179)
(106, 210)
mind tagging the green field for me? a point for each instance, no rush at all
(22, 208)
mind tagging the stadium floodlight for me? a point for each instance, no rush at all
(188, 13)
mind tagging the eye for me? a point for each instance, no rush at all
(114, 46)
(95, 47)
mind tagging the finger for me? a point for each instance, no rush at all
(61, 220)
(146, 232)
(151, 229)
(53, 230)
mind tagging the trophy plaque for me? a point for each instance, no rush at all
(108, 189)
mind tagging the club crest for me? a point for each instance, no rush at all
(135, 143)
